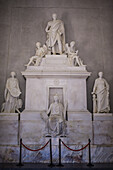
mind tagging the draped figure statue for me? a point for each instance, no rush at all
(101, 95)
(56, 123)
(12, 92)
(55, 35)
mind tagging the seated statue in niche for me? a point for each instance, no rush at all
(101, 95)
(40, 53)
(55, 36)
(12, 92)
(56, 123)
(73, 57)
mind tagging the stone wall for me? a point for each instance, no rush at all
(89, 23)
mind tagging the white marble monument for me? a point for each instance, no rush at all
(56, 106)
(60, 71)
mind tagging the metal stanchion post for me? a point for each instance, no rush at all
(60, 164)
(20, 156)
(51, 160)
(90, 164)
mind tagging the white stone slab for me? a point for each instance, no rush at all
(37, 92)
(8, 116)
(59, 60)
(28, 115)
(103, 129)
(83, 115)
(9, 128)
(103, 116)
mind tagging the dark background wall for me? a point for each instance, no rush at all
(88, 22)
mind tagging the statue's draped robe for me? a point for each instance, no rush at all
(56, 32)
(101, 89)
(56, 118)
(13, 92)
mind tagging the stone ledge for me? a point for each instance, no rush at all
(9, 116)
(83, 115)
(103, 116)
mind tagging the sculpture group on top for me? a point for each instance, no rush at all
(56, 45)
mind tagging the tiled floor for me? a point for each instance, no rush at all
(65, 167)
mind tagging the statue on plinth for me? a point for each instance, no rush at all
(12, 92)
(55, 35)
(73, 57)
(101, 95)
(56, 123)
(40, 53)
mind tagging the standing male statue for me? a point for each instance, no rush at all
(55, 35)
(101, 95)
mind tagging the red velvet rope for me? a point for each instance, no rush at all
(36, 149)
(74, 149)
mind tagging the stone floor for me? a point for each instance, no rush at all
(65, 167)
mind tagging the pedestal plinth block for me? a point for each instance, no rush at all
(103, 128)
(9, 131)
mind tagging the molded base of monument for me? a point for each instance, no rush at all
(99, 154)
(78, 131)
(79, 127)
(103, 128)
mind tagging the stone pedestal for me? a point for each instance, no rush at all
(9, 128)
(54, 75)
(103, 128)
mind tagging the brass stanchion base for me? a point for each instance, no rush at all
(90, 164)
(51, 165)
(60, 165)
(20, 164)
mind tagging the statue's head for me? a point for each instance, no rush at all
(54, 16)
(72, 43)
(100, 74)
(56, 98)
(38, 44)
(13, 74)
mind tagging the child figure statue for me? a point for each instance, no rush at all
(74, 59)
(40, 53)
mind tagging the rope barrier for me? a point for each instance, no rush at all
(76, 150)
(35, 149)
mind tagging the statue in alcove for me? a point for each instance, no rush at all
(101, 95)
(12, 92)
(55, 36)
(40, 53)
(56, 122)
(74, 59)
